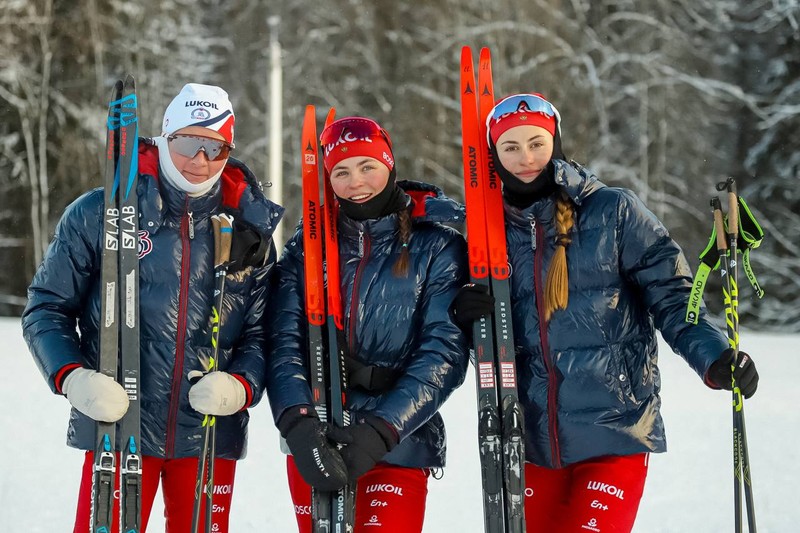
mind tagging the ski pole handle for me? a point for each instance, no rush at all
(733, 209)
(719, 226)
(223, 237)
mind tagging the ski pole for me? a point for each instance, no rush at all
(729, 273)
(223, 236)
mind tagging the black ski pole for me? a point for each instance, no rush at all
(223, 235)
(729, 273)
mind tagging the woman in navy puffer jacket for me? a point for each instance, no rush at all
(594, 274)
(400, 269)
(185, 177)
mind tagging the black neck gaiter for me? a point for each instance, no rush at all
(519, 194)
(390, 200)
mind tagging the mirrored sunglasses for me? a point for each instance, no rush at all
(522, 102)
(190, 145)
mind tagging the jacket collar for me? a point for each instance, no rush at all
(427, 203)
(237, 192)
(577, 181)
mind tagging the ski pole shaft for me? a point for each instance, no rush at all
(730, 324)
(223, 237)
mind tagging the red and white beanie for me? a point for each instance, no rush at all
(354, 137)
(522, 116)
(206, 106)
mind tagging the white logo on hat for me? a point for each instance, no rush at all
(200, 114)
(346, 137)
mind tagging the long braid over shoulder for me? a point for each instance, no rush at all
(557, 285)
(400, 268)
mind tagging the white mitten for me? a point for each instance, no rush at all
(96, 395)
(218, 394)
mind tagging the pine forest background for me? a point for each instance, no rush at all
(665, 97)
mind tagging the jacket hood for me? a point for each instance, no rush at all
(579, 182)
(237, 192)
(430, 204)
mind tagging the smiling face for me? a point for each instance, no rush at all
(197, 169)
(359, 178)
(525, 151)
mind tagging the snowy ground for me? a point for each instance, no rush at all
(688, 489)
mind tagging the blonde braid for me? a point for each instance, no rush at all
(557, 285)
(400, 268)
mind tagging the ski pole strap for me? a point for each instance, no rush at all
(750, 236)
(696, 296)
(368, 377)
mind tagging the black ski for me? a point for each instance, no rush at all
(119, 329)
(128, 170)
(105, 461)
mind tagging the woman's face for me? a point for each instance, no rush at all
(525, 151)
(359, 178)
(197, 169)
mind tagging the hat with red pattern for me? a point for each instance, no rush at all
(355, 137)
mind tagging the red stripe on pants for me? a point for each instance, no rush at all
(389, 499)
(177, 478)
(597, 496)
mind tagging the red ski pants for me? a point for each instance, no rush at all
(597, 496)
(389, 499)
(177, 478)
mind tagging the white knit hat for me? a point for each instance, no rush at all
(206, 106)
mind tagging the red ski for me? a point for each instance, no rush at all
(331, 511)
(500, 420)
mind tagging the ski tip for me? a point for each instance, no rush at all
(331, 116)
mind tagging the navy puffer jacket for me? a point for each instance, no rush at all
(588, 379)
(398, 323)
(176, 294)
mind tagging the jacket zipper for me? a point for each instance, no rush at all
(552, 388)
(187, 234)
(364, 247)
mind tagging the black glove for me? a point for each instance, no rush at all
(471, 303)
(365, 443)
(719, 373)
(316, 457)
(248, 247)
